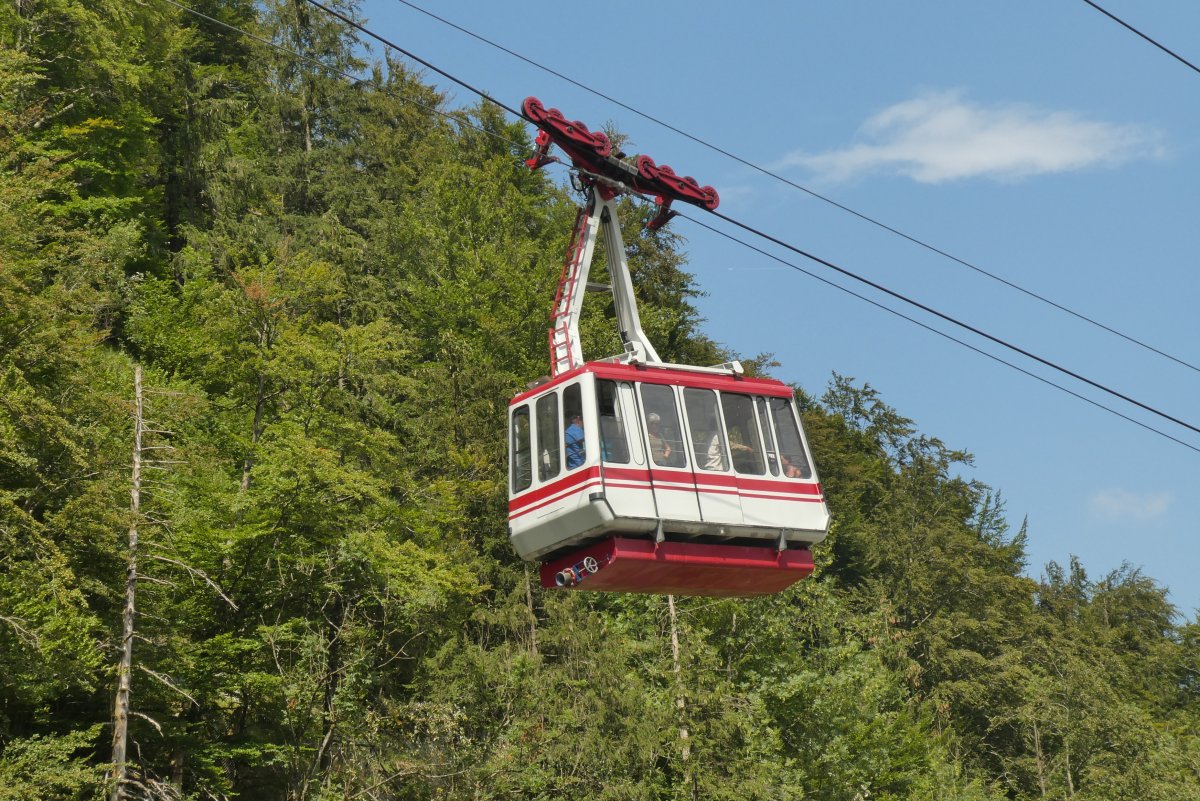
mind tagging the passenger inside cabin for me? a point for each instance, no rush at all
(714, 454)
(743, 434)
(660, 449)
(745, 458)
(662, 426)
(576, 449)
(791, 450)
(792, 471)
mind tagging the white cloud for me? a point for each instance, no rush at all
(1123, 506)
(942, 137)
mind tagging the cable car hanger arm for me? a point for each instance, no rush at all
(605, 177)
(592, 153)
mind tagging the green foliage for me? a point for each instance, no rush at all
(50, 768)
(333, 290)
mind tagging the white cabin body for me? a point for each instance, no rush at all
(659, 452)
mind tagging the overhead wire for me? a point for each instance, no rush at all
(1126, 25)
(368, 32)
(953, 320)
(824, 198)
(940, 333)
(621, 187)
(774, 240)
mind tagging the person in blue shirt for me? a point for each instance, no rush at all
(575, 444)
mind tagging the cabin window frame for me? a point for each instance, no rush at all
(521, 475)
(792, 416)
(702, 440)
(548, 432)
(667, 428)
(614, 437)
(747, 422)
(766, 429)
(572, 406)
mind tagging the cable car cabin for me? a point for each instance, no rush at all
(646, 463)
(632, 475)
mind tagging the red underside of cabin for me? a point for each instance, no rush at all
(683, 568)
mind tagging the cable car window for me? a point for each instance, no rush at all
(614, 447)
(791, 447)
(628, 404)
(547, 436)
(522, 466)
(708, 441)
(743, 433)
(575, 447)
(764, 425)
(662, 426)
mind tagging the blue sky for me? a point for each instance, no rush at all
(1039, 141)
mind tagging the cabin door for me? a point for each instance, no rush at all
(670, 468)
(717, 493)
(623, 453)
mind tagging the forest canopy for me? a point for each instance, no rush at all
(329, 290)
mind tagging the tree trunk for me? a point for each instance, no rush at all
(121, 707)
(1067, 765)
(685, 750)
(333, 674)
(260, 400)
(178, 760)
(533, 645)
(1041, 759)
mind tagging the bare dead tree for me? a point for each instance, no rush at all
(157, 561)
(125, 669)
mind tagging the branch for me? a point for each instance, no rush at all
(196, 573)
(149, 719)
(151, 788)
(385, 780)
(164, 680)
(46, 118)
(22, 633)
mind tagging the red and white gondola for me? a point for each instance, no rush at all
(629, 474)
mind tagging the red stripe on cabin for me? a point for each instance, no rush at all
(707, 479)
(791, 499)
(817, 498)
(762, 485)
(626, 474)
(556, 499)
(666, 480)
(553, 488)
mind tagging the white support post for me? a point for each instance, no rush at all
(599, 217)
(637, 344)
